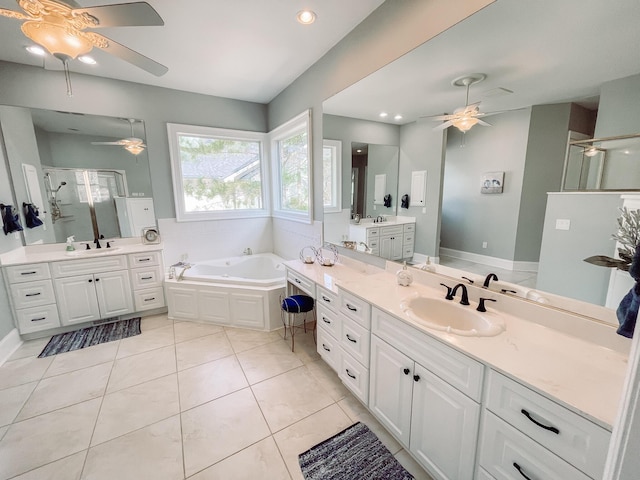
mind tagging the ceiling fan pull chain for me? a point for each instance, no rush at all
(67, 78)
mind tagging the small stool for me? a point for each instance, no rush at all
(293, 305)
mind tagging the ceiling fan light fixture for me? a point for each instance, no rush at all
(464, 124)
(134, 149)
(36, 50)
(591, 151)
(57, 37)
(87, 60)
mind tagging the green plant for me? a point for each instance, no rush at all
(628, 236)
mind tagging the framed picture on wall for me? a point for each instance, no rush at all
(492, 182)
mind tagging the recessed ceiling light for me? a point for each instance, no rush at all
(383, 114)
(86, 59)
(36, 50)
(398, 117)
(306, 17)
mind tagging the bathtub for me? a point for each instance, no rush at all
(263, 270)
(236, 291)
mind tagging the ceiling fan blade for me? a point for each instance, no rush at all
(443, 126)
(137, 14)
(131, 56)
(483, 123)
(13, 14)
(107, 143)
(437, 117)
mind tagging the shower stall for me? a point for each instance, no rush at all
(81, 202)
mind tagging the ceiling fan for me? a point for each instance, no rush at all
(133, 145)
(65, 29)
(464, 118)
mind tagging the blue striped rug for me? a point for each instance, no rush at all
(86, 337)
(353, 454)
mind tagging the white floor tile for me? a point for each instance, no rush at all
(11, 401)
(68, 468)
(146, 341)
(83, 358)
(190, 330)
(30, 348)
(153, 452)
(141, 368)
(154, 321)
(242, 339)
(218, 429)
(202, 350)
(267, 361)
(328, 379)
(24, 370)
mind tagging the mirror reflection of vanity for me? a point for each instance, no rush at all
(82, 185)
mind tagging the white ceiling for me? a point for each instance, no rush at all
(545, 51)
(242, 49)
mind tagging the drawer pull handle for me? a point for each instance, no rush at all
(297, 281)
(328, 300)
(144, 259)
(353, 309)
(519, 468)
(325, 347)
(32, 294)
(38, 319)
(324, 319)
(349, 373)
(406, 371)
(546, 427)
(416, 378)
(146, 278)
(351, 339)
(149, 299)
(28, 273)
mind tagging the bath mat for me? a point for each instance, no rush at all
(353, 454)
(86, 337)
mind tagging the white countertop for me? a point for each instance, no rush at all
(584, 376)
(57, 252)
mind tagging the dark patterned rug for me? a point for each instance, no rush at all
(353, 454)
(86, 337)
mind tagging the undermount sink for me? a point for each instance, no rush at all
(450, 316)
(94, 252)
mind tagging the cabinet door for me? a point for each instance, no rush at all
(214, 307)
(248, 310)
(390, 389)
(396, 247)
(77, 301)
(182, 302)
(444, 427)
(114, 293)
(385, 247)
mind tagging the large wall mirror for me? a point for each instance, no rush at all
(83, 181)
(525, 147)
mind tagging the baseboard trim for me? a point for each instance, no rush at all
(490, 261)
(9, 344)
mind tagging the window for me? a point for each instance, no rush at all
(332, 175)
(291, 160)
(217, 173)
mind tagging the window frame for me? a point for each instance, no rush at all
(174, 130)
(336, 175)
(301, 122)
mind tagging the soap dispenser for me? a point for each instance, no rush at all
(70, 246)
(404, 276)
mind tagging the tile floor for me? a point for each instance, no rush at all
(181, 400)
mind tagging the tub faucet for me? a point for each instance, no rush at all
(247, 251)
(185, 267)
(465, 297)
(487, 280)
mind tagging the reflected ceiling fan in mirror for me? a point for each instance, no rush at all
(133, 145)
(64, 29)
(464, 118)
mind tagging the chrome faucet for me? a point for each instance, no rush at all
(185, 267)
(247, 251)
(487, 280)
(465, 297)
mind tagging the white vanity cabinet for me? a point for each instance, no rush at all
(146, 279)
(32, 297)
(92, 289)
(527, 433)
(427, 395)
(329, 327)
(392, 242)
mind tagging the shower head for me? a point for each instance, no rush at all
(62, 184)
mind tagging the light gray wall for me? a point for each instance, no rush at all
(382, 160)
(544, 163)
(469, 217)
(619, 109)
(562, 269)
(422, 148)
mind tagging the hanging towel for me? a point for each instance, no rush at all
(387, 200)
(10, 220)
(31, 219)
(627, 311)
(404, 203)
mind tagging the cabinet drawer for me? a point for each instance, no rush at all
(408, 239)
(395, 230)
(407, 252)
(69, 268)
(32, 294)
(328, 348)
(148, 299)
(144, 258)
(326, 298)
(355, 308)
(146, 277)
(455, 368)
(567, 434)
(28, 273)
(409, 228)
(356, 340)
(301, 282)
(354, 376)
(35, 319)
(330, 321)
(508, 454)
(373, 233)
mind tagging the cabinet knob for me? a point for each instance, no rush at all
(406, 371)
(97, 279)
(416, 378)
(90, 280)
